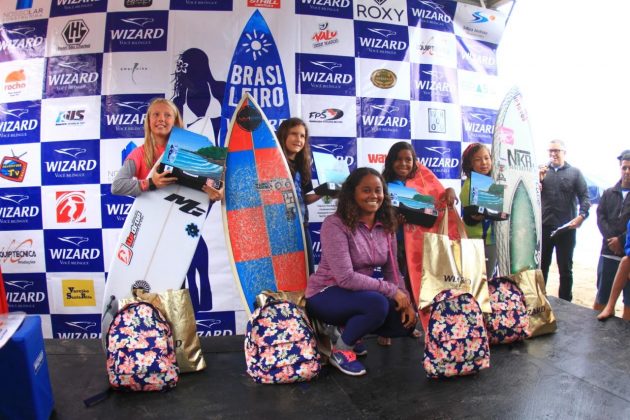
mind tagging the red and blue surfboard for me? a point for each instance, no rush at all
(261, 212)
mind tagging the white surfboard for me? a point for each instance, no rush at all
(156, 244)
(513, 159)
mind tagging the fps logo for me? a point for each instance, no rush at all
(27, 292)
(19, 122)
(136, 31)
(72, 250)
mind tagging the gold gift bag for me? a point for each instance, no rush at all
(176, 306)
(453, 264)
(541, 317)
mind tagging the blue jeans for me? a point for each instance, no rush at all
(360, 312)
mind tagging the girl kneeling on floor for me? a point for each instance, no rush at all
(358, 238)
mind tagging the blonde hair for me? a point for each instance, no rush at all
(149, 145)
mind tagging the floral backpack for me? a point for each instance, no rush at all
(456, 342)
(140, 350)
(280, 344)
(509, 320)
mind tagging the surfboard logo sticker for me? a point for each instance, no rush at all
(256, 68)
(125, 254)
(192, 230)
(249, 118)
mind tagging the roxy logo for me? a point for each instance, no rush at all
(379, 12)
(70, 207)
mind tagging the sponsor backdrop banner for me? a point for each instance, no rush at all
(76, 77)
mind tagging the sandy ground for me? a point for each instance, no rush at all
(585, 259)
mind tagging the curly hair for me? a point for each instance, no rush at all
(388, 170)
(469, 153)
(348, 209)
(302, 162)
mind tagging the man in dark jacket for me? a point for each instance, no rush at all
(562, 187)
(613, 213)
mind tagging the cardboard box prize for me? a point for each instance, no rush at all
(486, 198)
(417, 208)
(193, 159)
(331, 173)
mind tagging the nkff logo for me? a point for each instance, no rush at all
(70, 207)
(378, 12)
(520, 159)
